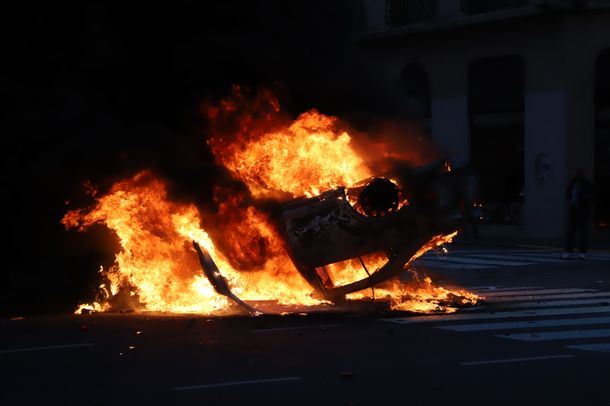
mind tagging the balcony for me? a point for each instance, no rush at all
(405, 12)
(473, 7)
(393, 18)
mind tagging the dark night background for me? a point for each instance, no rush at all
(518, 89)
(99, 91)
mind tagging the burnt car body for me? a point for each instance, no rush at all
(396, 214)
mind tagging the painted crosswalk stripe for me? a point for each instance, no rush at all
(601, 347)
(554, 256)
(556, 303)
(474, 261)
(515, 325)
(499, 252)
(599, 256)
(545, 297)
(557, 335)
(447, 265)
(539, 292)
(557, 254)
(499, 315)
(482, 287)
(541, 254)
(557, 257)
(515, 257)
(498, 289)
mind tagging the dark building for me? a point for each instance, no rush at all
(520, 89)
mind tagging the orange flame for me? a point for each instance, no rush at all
(422, 296)
(157, 263)
(419, 295)
(305, 158)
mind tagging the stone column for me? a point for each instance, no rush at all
(545, 157)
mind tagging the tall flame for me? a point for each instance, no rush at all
(303, 159)
(157, 264)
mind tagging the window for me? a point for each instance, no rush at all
(416, 90)
(497, 135)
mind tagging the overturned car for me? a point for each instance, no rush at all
(401, 214)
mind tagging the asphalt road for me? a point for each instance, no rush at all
(543, 338)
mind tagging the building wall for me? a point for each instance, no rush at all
(559, 51)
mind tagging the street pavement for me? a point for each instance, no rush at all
(542, 337)
(470, 258)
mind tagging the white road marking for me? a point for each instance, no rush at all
(548, 257)
(509, 360)
(552, 303)
(599, 256)
(51, 347)
(557, 335)
(498, 315)
(545, 253)
(513, 325)
(236, 383)
(542, 254)
(517, 257)
(602, 347)
(504, 252)
(474, 261)
(269, 330)
(514, 258)
(483, 289)
(539, 292)
(446, 265)
(546, 297)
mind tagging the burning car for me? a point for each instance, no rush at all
(376, 216)
(340, 225)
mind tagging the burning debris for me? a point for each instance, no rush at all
(340, 226)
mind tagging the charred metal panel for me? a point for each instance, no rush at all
(327, 229)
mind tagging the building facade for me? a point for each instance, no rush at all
(519, 89)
